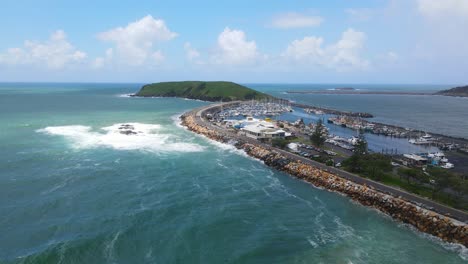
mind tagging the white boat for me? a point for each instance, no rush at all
(426, 139)
(447, 165)
(353, 141)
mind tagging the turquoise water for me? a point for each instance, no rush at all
(73, 190)
(437, 114)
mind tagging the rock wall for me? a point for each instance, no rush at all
(424, 220)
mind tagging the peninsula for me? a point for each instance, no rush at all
(206, 91)
(461, 91)
(427, 216)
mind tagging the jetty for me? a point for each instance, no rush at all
(447, 223)
(332, 111)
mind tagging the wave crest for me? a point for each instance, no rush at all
(122, 136)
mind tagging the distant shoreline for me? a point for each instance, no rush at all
(350, 91)
(359, 92)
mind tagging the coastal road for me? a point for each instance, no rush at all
(418, 200)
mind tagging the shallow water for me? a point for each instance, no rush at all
(72, 190)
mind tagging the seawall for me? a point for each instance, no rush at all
(446, 228)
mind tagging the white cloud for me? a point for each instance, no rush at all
(296, 20)
(190, 52)
(233, 48)
(361, 14)
(55, 53)
(158, 57)
(100, 62)
(309, 48)
(345, 54)
(443, 8)
(392, 56)
(342, 56)
(134, 42)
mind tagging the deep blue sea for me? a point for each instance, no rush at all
(74, 190)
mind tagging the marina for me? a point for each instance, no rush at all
(268, 120)
(256, 108)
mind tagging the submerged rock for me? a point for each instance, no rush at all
(128, 132)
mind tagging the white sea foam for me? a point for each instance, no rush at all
(312, 242)
(125, 95)
(459, 249)
(109, 249)
(178, 121)
(198, 100)
(147, 138)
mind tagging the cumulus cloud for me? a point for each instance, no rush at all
(296, 20)
(100, 62)
(342, 56)
(55, 53)
(158, 57)
(444, 8)
(308, 48)
(190, 52)
(134, 43)
(234, 48)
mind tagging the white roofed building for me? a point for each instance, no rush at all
(261, 130)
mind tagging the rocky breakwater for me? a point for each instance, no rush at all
(446, 228)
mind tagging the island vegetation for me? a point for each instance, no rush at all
(457, 91)
(206, 91)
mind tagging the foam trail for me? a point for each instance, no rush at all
(141, 137)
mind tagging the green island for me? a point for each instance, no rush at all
(461, 91)
(206, 91)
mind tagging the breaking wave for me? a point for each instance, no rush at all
(122, 136)
(126, 95)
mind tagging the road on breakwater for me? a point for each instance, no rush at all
(420, 201)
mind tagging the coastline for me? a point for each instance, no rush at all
(360, 92)
(446, 228)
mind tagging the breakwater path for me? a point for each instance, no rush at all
(439, 220)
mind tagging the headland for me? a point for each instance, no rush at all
(205, 91)
(461, 91)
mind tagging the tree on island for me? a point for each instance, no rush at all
(356, 162)
(317, 138)
(440, 179)
(459, 185)
(279, 143)
(417, 175)
(376, 165)
(361, 147)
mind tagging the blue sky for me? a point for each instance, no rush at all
(368, 41)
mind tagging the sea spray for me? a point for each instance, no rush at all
(122, 136)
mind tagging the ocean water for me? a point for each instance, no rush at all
(437, 114)
(74, 190)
